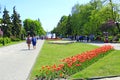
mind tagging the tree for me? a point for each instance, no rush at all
(61, 27)
(27, 25)
(69, 26)
(23, 33)
(33, 27)
(39, 29)
(90, 18)
(7, 25)
(17, 26)
(115, 11)
(81, 18)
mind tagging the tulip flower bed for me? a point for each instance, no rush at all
(73, 64)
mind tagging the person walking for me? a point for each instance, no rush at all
(34, 41)
(28, 41)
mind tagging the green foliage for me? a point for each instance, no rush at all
(17, 26)
(6, 24)
(68, 26)
(11, 26)
(5, 39)
(110, 38)
(61, 27)
(1, 40)
(118, 35)
(90, 18)
(33, 27)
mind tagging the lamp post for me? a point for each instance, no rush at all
(3, 32)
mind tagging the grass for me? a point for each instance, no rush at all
(107, 66)
(53, 53)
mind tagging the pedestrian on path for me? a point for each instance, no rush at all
(28, 41)
(34, 41)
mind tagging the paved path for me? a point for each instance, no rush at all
(115, 45)
(16, 61)
(112, 78)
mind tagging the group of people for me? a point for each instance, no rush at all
(86, 38)
(32, 40)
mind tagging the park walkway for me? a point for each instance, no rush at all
(115, 45)
(16, 61)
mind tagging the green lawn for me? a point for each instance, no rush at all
(53, 53)
(107, 66)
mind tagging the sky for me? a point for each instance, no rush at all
(48, 11)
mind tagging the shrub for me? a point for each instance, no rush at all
(110, 38)
(1, 40)
(5, 39)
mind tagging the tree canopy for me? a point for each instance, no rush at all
(33, 27)
(12, 27)
(90, 18)
(17, 26)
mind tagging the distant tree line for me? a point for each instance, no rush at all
(94, 17)
(12, 26)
